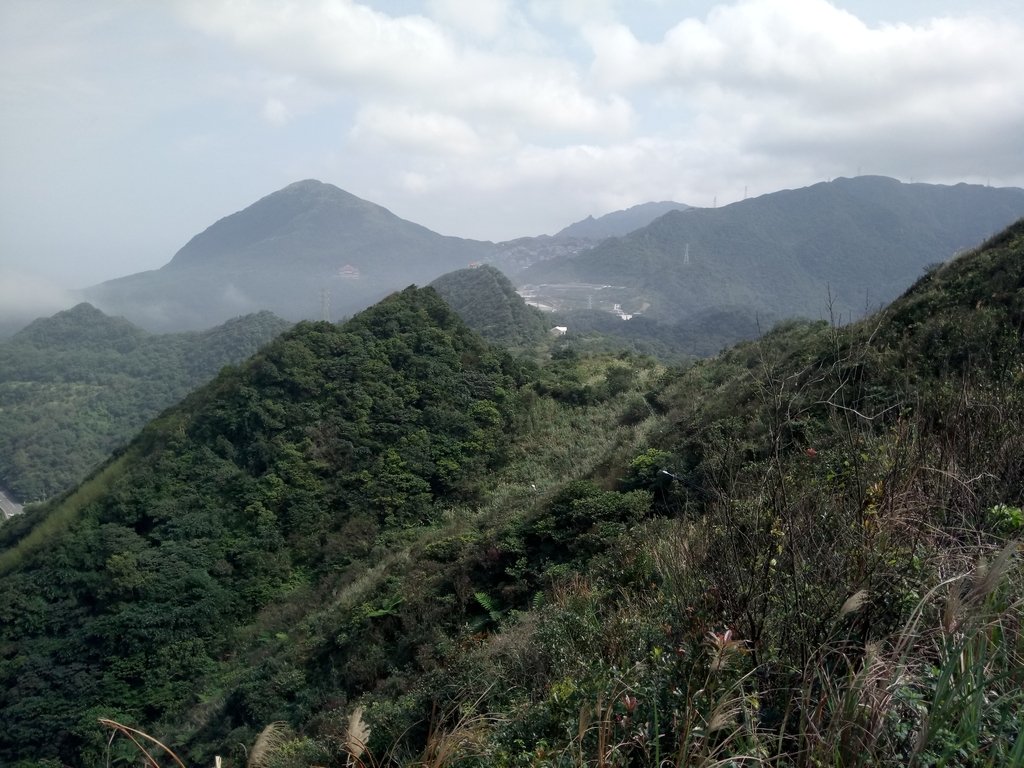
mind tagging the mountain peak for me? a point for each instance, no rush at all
(81, 326)
(316, 188)
(297, 210)
(304, 250)
(83, 312)
(307, 184)
(488, 303)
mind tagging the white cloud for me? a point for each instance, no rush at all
(489, 197)
(276, 112)
(420, 132)
(484, 19)
(354, 50)
(829, 58)
(487, 118)
(805, 80)
(335, 41)
(236, 300)
(574, 13)
(809, 50)
(25, 296)
(415, 183)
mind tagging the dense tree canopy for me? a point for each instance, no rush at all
(284, 467)
(487, 301)
(76, 386)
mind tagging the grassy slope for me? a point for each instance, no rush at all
(810, 587)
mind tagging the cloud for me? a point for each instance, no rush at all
(490, 196)
(806, 81)
(353, 50)
(752, 83)
(484, 19)
(422, 132)
(334, 41)
(485, 118)
(801, 47)
(276, 112)
(235, 299)
(574, 13)
(25, 296)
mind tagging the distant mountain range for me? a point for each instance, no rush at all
(312, 251)
(619, 223)
(307, 251)
(837, 248)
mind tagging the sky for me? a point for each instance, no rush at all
(128, 126)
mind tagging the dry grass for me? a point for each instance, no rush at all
(357, 736)
(140, 739)
(268, 744)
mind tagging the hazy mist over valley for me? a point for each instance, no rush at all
(515, 383)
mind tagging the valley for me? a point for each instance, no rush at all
(664, 279)
(566, 297)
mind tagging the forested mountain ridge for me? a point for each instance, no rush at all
(77, 385)
(844, 247)
(280, 470)
(312, 247)
(802, 552)
(311, 250)
(297, 252)
(81, 327)
(488, 303)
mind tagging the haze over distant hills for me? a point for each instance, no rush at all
(860, 240)
(301, 252)
(312, 250)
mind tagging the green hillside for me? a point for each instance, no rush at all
(702, 334)
(488, 303)
(75, 386)
(802, 552)
(837, 249)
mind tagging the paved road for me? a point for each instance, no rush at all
(7, 506)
